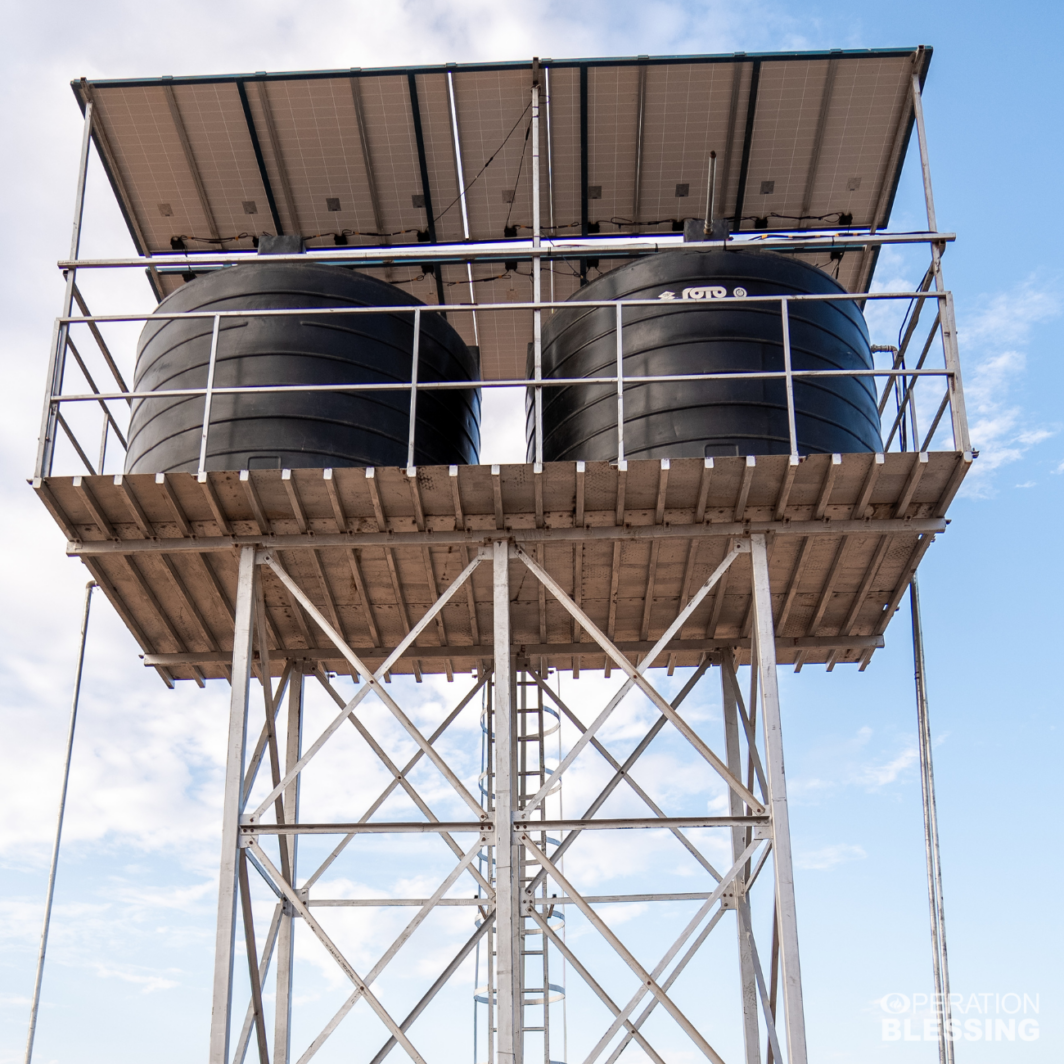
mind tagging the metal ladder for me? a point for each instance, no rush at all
(535, 724)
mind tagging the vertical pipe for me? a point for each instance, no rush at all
(507, 907)
(550, 171)
(460, 172)
(620, 383)
(413, 391)
(711, 196)
(583, 168)
(792, 431)
(940, 960)
(59, 822)
(243, 633)
(765, 642)
(641, 108)
(282, 1038)
(103, 442)
(209, 396)
(46, 443)
(747, 978)
(537, 284)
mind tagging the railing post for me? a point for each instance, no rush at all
(789, 380)
(103, 443)
(57, 360)
(410, 464)
(537, 282)
(620, 384)
(208, 397)
(951, 355)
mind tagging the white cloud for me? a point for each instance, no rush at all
(992, 339)
(853, 767)
(147, 980)
(828, 857)
(881, 774)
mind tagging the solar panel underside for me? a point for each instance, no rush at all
(802, 141)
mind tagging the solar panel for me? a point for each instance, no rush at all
(380, 157)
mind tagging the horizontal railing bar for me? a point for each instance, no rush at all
(547, 382)
(469, 308)
(406, 826)
(550, 248)
(380, 828)
(591, 899)
(626, 823)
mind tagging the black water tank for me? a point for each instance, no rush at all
(691, 333)
(299, 430)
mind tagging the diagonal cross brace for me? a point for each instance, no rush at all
(260, 747)
(400, 779)
(728, 668)
(561, 946)
(766, 1007)
(426, 999)
(622, 772)
(666, 983)
(362, 985)
(372, 681)
(647, 979)
(610, 787)
(397, 775)
(636, 678)
(675, 948)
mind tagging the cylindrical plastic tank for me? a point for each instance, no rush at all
(308, 429)
(690, 332)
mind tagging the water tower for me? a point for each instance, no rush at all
(672, 255)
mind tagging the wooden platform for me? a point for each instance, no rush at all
(374, 548)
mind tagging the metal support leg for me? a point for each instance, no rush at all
(739, 844)
(765, 649)
(243, 633)
(507, 914)
(282, 1029)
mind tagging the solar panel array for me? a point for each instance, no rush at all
(379, 157)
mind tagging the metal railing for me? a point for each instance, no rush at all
(899, 380)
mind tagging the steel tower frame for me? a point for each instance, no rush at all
(508, 845)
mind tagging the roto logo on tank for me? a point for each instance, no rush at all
(987, 1017)
(715, 291)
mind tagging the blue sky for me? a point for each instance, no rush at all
(131, 947)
